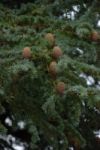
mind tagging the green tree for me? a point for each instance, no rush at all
(49, 69)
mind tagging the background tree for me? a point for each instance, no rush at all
(49, 73)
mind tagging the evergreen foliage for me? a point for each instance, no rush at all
(29, 87)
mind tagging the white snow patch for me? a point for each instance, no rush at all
(61, 141)
(90, 80)
(10, 138)
(49, 148)
(72, 15)
(8, 121)
(98, 82)
(79, 50)
(96, 110)
(76, 8)
(84, 5)
(98, 23)
(83, 103)
(17, 147)
(71, 148)
(97, 133)
(82, 75)
(64, 15)
(21, 124)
